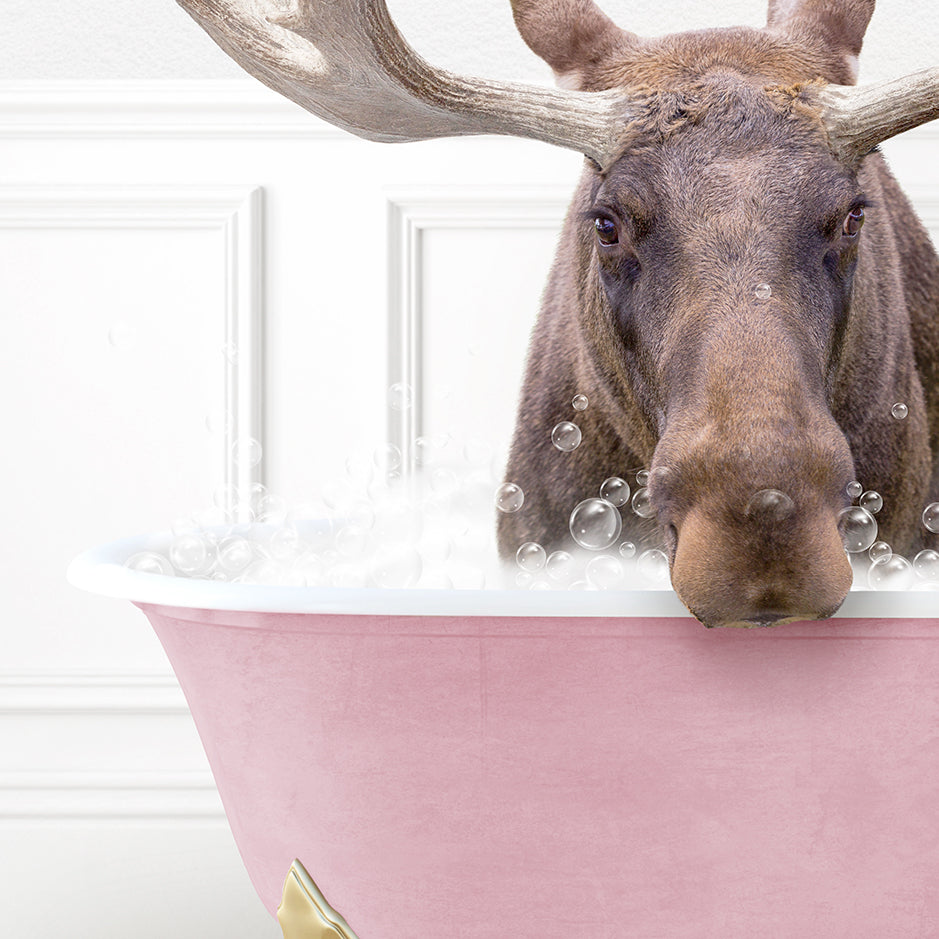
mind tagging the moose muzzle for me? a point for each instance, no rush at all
(751, 521)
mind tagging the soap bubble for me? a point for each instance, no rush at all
(340, 495)
(580, 402)
(854, 489)
(531, 556)
(858, 528)
(872, 501)
(235, 554)
(270, 508)
(387, 458)
(427, 450)
(121, 336)
(246, 451)
(210, 521)
(642, 504)
(615, 491)
(931, 516)
(627, 550)
(891, 573)
(225, 496)
(351, 540)
(149, 562)
(400, 396)
(604, 571)
(230, 351)
(595, 524)
(899, 411)
(361, 514)
(311, 568)
(926, 565)
(560, 567)
(396, 566)
(443, 481)
(879, 550)
(189, 553)
(653, 565)
(509, 497)
(770, 504)
(763, 291)
(566, 436)
(285, 544)
(642, 478)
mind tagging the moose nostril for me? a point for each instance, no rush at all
(770, 505)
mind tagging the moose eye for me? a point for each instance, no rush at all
(606, 231)
(853, 222)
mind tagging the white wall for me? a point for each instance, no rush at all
(154, 209)
(155, 39)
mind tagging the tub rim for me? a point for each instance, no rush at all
(101, 570)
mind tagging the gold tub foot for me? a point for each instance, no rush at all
(304, 913)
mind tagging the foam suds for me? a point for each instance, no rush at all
(435, 529)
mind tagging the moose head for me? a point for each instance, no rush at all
(740, 288)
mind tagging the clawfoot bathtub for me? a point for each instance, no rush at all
(479, 764)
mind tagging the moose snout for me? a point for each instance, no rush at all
(753, 533)
(762, 568)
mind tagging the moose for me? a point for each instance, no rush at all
(741, 288)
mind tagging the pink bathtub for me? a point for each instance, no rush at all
(473, 765)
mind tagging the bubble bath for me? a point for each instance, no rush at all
(436, 530)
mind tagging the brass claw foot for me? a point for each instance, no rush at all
(304, 913)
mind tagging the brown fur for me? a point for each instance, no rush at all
(728, 181)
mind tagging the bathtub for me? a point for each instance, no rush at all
(544, 765)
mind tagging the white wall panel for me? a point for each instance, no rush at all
(124, 308)
(468, 268)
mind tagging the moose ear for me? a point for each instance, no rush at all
(838, 25)
(572, 36)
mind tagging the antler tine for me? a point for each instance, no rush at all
(345, 61)
(860, 117)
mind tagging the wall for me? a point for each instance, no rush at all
(178, 243)
(155, 39)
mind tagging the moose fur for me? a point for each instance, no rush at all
(730, 181)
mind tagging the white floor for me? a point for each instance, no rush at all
(108, 880)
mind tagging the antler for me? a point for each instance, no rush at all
(345, 61)
(860, 117)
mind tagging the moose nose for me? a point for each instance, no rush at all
(776, 563)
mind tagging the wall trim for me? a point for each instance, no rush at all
(411, 213)
(53, 796)
(236, 214)
(56, 693)
(174, 109)
(46, 795)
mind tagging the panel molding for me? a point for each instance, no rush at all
(146, 109)
(56, 693)
(411, 213)
(236, 214)
(123, 794)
